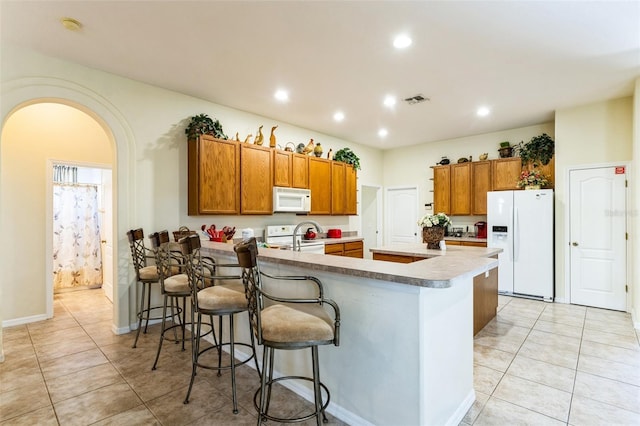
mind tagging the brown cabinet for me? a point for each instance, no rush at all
(505, 173)
(282, 168)
(442, 189)
(338, 194)
(465, 243)
(480, 185)
(349, 249)
(213, 176)
(320, 185)
(351, 190)
(256, 174)
(461, 189)
(299, 171)
(397, 258)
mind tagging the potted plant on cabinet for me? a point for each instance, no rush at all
(433, 229)
(532, 179)
(202, 124)
(345, 155)
(538, 151)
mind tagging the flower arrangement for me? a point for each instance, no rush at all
(430, 220)
(532, 178)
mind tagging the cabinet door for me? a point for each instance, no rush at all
(505, 173)
(547, 170)
(461, 189)
(338, 193)
(300, 171)
(213, 176)
(351, 189)
(256, 184)
(320, 185)
(336, 249)
(480, 184)
(442, 189)
(282, 168)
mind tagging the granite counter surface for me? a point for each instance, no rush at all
(439, 269)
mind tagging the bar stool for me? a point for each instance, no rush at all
(221, 300)
(174, 287)
(146, 275)
(287, 324)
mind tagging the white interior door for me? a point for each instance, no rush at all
(597, 206)
(107, 233)
(401, 220)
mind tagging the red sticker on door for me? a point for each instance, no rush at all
(619, 170)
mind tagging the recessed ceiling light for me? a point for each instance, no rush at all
(483, 111)
(282, 95)
(338, 116)
(402, 41)
(383, 132)
(389, 101)
(71, 24)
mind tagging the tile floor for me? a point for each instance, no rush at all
(536, 363)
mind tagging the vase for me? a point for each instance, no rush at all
(532, 187)
(432, 236)
(506, 152)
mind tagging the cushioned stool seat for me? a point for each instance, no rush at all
(285, 324)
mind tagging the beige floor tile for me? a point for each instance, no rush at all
(71, 363)
(564, 357)
(522, 311)
(150, 384)
(491, 357)
(611, 353)
(558, 328)
(476, 408)
(608, 391)
(565, 308)
(83, 381)
(54, 324)
(57, 336)
(16, 372)
(610, 369)
(44, 416)
(506, 343)
(609, 316)
(554, 340)
(624, 330)
(15, 332)
(170, 410)
(23, 400)
(64, 347)
(627, 342)
(499, 412)
(542, 372)
(563, 318)
(139, 415)
(504, 329)
(534, 396)
(509, 317)
(96, 405)
(588, 412)
(485, 379)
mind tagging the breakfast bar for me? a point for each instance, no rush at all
(406, 331)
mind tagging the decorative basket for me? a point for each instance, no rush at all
(182, 232)
(432, 236)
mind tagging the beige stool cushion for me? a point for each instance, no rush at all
(149, 273)
(296, 323)
(177, 284)
(223, 297)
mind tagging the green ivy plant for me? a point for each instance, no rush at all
(539, 150)
(202, 124)
(345, 155)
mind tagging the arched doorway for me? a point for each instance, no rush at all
(16, 95)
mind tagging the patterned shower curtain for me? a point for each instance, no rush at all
(77, 258)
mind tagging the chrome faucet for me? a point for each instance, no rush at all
(297, 228)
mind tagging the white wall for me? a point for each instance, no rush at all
(589, 134)
(156, 177)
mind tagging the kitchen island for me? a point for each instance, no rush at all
(406, 337)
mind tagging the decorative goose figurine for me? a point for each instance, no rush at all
(309, 148)
(237, 137)
(260, 137)
(246, 140)
(272, 138)
(329, 154)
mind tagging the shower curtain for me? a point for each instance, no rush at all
(77, 259)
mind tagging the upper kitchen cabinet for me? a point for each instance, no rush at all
(480, 185)
(213, 176)
(338, 194)
(461, 189)
(442, 189)
(282, 168)
(505, 173)
(256, 179)
(299, 171)
(549, 170)
(351, 190)
(320, 185)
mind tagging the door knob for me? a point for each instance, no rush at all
(575, 244)
(104, 241)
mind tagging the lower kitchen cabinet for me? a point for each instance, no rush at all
(398, 258)
(348, 249)
(465, 243)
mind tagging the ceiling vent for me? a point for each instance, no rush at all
(416, 99)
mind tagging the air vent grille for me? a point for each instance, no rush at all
(416, 99)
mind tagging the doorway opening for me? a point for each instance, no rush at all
(371, 218)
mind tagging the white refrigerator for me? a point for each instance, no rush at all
(521, 224)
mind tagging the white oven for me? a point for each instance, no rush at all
(282, 236)
(291, 200)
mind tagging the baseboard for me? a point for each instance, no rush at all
(560, 300)
(24, 320)
(120, 330)
(334, 409)
(462, 409)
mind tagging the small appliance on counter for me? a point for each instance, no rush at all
(481, 229)
(457, 232)
(310, 234)
(334, 233)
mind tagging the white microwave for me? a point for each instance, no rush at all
(291, 200)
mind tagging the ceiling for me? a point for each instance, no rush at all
(523, 60)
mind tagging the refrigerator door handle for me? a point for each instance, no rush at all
(515, 234)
